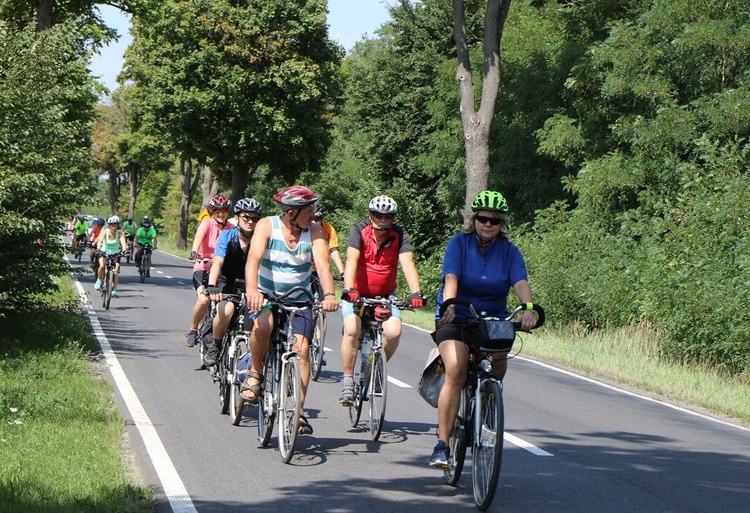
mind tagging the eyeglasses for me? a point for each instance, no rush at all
(494, 221)
(378, 215)
(248, 218)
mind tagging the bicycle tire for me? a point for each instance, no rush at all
(289, 406)
(222, 366)
(142, 269)
(457, 442)
(317, 345)
(488, 443)
(377, 392)
(108, 277)
(236, 402)
(266, 407)
(355, 410)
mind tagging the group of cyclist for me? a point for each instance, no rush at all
(106, 238)
(265, 256)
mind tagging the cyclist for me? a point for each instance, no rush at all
(129, 228)
(79, 231)
(110, 241)
(145, 235)
(94, 233)
(282, 252)
(203, 247)
(480, 265)
(375, 248)
(228, 270)
(332, 238)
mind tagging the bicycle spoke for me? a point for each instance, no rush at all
(289, 408)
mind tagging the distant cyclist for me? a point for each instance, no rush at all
(94, 233)
(203, 247)
(129, 227)
(145, 235)
(228, 270)
(110, 241)
(79, 231)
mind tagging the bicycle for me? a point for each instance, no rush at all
(282, 386)
(235, 344)
(205, 326)
(80, 247)
(108, 283)
(370, 364)
(143, 265)
(131, 247)
(320, 325)
(480, 422)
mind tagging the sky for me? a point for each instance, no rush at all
(348, 21)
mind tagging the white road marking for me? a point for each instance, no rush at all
(523, 444)
(398, 383)
(173, 486)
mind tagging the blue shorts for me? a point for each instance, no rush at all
(301, 324)
(347, 309)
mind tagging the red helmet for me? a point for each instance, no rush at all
(219, 202)
(296, 196)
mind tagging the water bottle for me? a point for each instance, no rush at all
(366, 348)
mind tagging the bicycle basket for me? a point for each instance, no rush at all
(492, 335)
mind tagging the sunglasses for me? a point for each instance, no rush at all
(378, 215)
(248, 218)
(494, 221)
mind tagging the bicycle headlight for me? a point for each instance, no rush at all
(486, 366)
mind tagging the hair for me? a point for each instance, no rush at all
(468, 226)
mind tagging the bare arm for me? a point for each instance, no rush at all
(336, 257)
(350, 271)
(410, 270)
(523, 292)
(320, 257)
(258, 245)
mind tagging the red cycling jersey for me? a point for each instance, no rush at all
(377, 265)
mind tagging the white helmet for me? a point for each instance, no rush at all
(113, 220)
(382, 205)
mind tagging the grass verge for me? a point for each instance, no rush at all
(61, 436)
(628, 358)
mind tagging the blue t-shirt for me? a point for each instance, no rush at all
(228, 247)
(484, 279)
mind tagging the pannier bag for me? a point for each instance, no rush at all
(432, 378)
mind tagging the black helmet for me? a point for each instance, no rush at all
(247, 205)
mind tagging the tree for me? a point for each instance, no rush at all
(478, 121)
(46, 109)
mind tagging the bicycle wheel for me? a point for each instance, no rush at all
(142, 268)
(457, 442)
(222, 368)
(488, 444)
(355, 410)
(289, 402)
(107, 285)
(317, 346)
(236, 403)
(266, 406)
(377, 384)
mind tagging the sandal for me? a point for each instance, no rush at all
(255, 388)
(304, 426)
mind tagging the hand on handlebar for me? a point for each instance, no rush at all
(255, 301)
(194, 255)
(350, 295)
(214, 292)
(528, 320)
(417, 299)
(329, 304)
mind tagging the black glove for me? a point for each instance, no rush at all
(213, 289)
(339, 277)
(194, 255)
(417, 299)
(350, 295)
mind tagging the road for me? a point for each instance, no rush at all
(573, 445)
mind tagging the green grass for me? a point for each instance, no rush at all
(629, 358)
(60, 433)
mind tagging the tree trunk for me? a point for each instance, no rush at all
(44, 16)
(188, 185)
(239, 181)
(133, 175)
(209, 186)
(477, 123)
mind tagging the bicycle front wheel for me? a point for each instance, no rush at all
(317, 346)
(236, 402)
(488, 443)
(289, 403)
(377, 391)
(457, 442)
(355, 410)
(142, 269)
(108, 283)
(266, 407)
(223, 366)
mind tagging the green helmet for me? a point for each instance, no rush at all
(489, 200)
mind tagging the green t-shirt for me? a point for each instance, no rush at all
(145, 236)
(80, 227)
(129, 228)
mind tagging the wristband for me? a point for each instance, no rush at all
(329, 294)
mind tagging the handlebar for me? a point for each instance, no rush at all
(386, 302)
(516, 325)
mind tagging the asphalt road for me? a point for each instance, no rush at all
(576, 445)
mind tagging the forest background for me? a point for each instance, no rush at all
(620, 141)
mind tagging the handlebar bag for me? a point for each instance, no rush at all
(492, 335)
